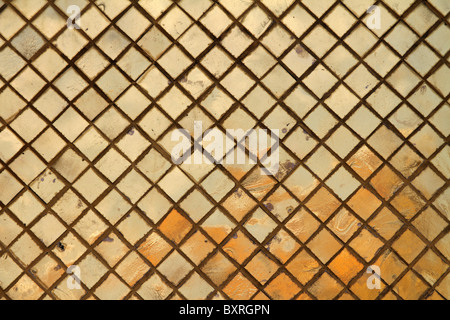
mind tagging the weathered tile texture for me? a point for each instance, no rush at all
(86, 176)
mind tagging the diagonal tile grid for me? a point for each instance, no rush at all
(86, 176)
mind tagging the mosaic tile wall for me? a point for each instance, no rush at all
(86, 177)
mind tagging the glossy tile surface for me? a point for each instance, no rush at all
(87, 179)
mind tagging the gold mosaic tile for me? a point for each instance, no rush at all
(93, 204)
